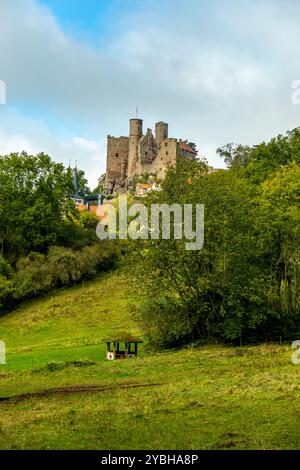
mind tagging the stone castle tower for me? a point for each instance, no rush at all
(139, 154)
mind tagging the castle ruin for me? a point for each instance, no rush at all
(131, 157)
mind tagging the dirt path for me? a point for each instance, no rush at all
(76, 389)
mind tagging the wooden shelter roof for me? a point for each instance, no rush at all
(123, 337)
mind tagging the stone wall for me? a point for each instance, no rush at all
(129, 157)
(117, 157)
(166, 157)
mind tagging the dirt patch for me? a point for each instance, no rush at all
(76, 389)
(5, 375)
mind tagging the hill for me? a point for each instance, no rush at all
(58, 392)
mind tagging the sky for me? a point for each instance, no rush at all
(217, 71)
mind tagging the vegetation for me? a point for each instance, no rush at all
(45, 242)
(64, 395)
(245, 283)
(101, 185)
(58, 392)
(37, 273)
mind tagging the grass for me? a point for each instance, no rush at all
(68, 324)
(64, 395)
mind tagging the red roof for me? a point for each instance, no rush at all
(186, 148)
(144, 186)
(94, 209)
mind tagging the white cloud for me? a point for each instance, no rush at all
(217, 71)
(36, 137)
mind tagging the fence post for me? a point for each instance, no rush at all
(2, 353)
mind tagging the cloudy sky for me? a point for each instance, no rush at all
(218, 71)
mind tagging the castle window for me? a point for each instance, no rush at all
(166, 144)
(117, 155)
(167, 153)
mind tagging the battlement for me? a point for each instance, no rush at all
(134, 155)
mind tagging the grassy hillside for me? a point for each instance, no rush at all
(68, 325)
(57, 390)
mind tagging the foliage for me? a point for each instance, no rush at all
(38, 273)
(245, 282)
(235, 155)
(45, 241)
(82, 183)
(88, 219)
(268, 157)
(193, 146)
(162, 397)
(100, 189)
(32, 209)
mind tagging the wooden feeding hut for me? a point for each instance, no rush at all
(122, 346)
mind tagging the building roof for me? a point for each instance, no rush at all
(144, 186)
(81, 207)
(93, 209)
(123, 337)
(186, 148)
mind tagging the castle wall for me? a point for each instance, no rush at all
(132, 156)
(166, 157)
(117, 157)
(148, 149)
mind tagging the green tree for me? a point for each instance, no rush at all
(101, 185)
(245, 281)
(235, 155)
(32, 203)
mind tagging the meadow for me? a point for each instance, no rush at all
(57, 391)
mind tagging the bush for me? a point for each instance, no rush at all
(166, 322)
(37, 274)
(88, 219)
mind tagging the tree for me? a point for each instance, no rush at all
(88, 219)
(245, 281)
(193, 146)
(101, 185)
(235, 155)
(32, 203)
(82, 183)
(268, 157)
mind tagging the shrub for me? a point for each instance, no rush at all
(37, 274)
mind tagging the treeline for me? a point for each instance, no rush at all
(44, 241)
(245, 282)
(37, 273)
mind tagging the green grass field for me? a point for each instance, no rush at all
(57, 391)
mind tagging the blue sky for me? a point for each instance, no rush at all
(91, 19)
(217, 71)
(83, 13)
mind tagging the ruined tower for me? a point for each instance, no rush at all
(161, 132)
(136, 133)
